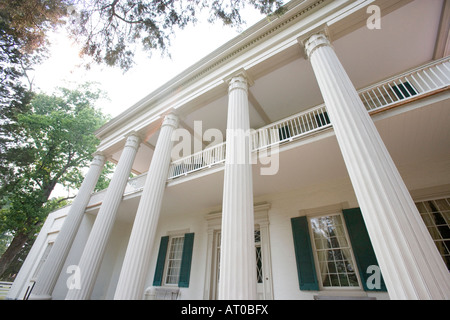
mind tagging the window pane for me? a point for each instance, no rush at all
(320, 244)
(259, 271)
(353, 280)
(427, 219)
(174, 260)
(333, 252)
(343, 280)
(421, 207)
(442, 205)
(436, 216)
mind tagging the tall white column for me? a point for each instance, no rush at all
(408, 258)
(137, 258)
(52, 267)
(94, 250)
(237, 253)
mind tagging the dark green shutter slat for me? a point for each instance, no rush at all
(159, 271)
(362, 247)
(186, 258)
(306, 269)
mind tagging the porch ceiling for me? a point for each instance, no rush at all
(406, 39)
(417, 141)
(285, 84)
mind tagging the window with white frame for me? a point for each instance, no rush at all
(333, 252)
(436, 215)
(174, 257)
(173, 265)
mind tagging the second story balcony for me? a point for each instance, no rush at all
(392, 73)
(395, 92)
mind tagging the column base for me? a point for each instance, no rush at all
(40, 297)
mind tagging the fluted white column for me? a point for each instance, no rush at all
(408, 258)
(54, 263)
(137, 258)
(94, 250)
(237, 253)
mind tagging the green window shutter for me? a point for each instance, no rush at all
(186, 259)
(304, 256)
(159, 271)
(362, 247)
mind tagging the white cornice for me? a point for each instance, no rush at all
(233, 48)
(204, 81)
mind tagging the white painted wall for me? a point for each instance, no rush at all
(47, 234)
(284, 205)
(196, 223)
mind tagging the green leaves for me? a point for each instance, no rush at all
(55, 141)
(58, 134)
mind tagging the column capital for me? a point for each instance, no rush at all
(133, 139)
(239, 80)
(315, 41)
(99, 159)
(171, 119)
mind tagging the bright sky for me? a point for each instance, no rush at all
(124, 90)
(189, 46)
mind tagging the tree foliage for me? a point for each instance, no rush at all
(24, 25)
(55, 142)
(29, 21)
(111, 30)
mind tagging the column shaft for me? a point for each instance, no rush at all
(136, 262)
(408, 258)
(94, 250)
(237, 258)
(52, 267)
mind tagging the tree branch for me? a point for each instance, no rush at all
(64, 199)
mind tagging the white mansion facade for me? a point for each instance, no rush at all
(308, 158)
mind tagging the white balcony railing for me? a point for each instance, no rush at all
(291, 128)
(204, 159)
(411, 84)
(285, 130)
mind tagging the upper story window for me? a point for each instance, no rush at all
(333, 253)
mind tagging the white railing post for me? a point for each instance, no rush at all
(424, 79)
(416, 82)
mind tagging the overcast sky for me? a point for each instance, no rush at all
(189, 46)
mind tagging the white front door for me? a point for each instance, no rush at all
(263, 274)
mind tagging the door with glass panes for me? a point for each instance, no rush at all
(263, 286)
